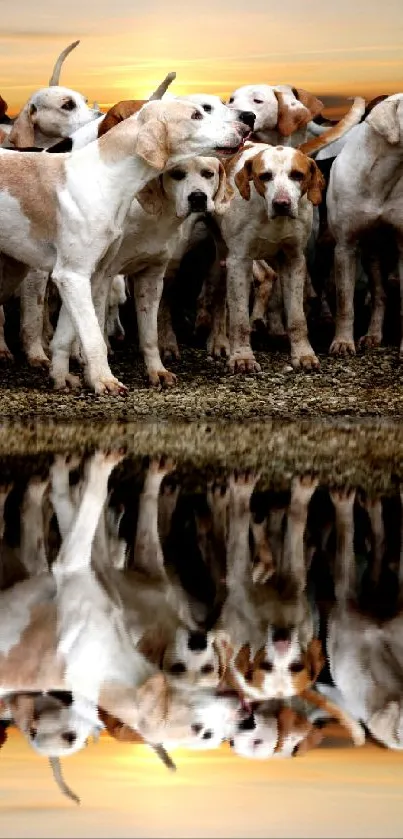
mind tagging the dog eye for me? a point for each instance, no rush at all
(257, 742)
(208, 668)
(230, 100)
(266, 666)
(207, 735)
(197, 115)
(177, 174)
(206, 173)
(295, 175)
(258, 101)
(69, 105)
(296, 667)
(295, 751)
(178, 668)
(266, 176)
(69, 737)
(207, 108)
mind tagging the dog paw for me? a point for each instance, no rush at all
(217, 494)
(343, 497)
(161, 466)
(243, 361)
(161, 378)
(303, 487)
(306, 360)
(217, 346)
(6, 357)
(343, 347)
(369, 342)
(66, 381)
(241, 485)
(110, 386)
(170, 350)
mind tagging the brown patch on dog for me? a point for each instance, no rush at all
(243, 177)
(151, 197)
(118, 730)
(225, 192)
(312, 103)
(32, 664)
(289, 118)
(224, 650)
(33, 180)
(313, 183)
(314, 661)
(153, 645)
(119, 112)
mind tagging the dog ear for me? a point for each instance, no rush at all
(225, 192)
(288, 118)
(22, 706)
(151, 197)
(22, 133)
(152, 144)
(223, 646)
(152, 700)
(311, 102)
(316, 184)
(153, 645)
(242, 179)
(384, 119)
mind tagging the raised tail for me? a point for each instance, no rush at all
(353, 117)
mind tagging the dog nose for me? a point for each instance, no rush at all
(69, 737)
(197, 201)
(281, 638)
(197, 642)
(248, 724)
(248, 117)
(282, 206)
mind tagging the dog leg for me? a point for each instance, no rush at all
(239, 275)
(147, 289)
(345, 576)
(5, 354)
(293, 275)
(33, 549)
(32, 296)
(148, 555)
(75, 552)
(345, 271)
(302, 490)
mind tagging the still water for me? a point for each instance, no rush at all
(179, 594)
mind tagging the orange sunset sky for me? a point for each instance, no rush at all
(332, 47)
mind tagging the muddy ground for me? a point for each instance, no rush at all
(369, 385)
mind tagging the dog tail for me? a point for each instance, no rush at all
(353, 117)
(163, 87)
(353, 727)
(58, 776)
(55, 77)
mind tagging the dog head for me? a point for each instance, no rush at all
(169, 132)
(55, 725)
(284, 667)
(53, 112)
(281, 176)
(194, 186)
(191, 660)
(279, 108)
